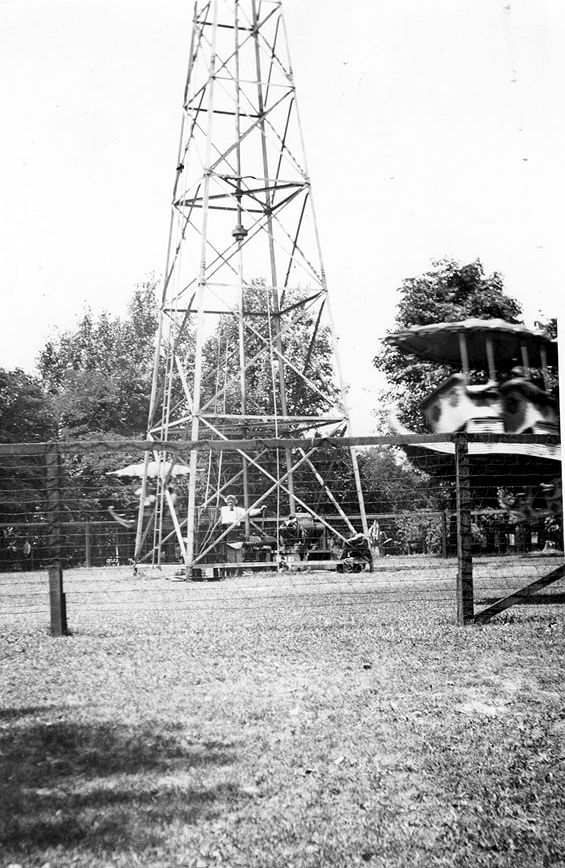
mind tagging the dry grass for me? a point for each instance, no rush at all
(263, 721)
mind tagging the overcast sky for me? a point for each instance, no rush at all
(433, 128)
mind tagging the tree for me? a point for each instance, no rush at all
(548, 326)
(26, 412)
(98, 378)
(99, 374)
(26, 416)
(449, 292)
(392, 484)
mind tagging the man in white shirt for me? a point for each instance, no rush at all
(231, 514)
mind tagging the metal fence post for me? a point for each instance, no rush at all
(465, 601)
(57, 603)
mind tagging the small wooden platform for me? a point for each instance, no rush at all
(215, 571)
(313, 565)
(218, 570)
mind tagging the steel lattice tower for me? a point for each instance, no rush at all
(244, 276)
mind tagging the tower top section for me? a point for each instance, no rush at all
(241, 157)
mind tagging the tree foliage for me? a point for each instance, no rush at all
(99, 374)
(448, 292)
(26, 416)
(391, 483)
(26, 412)
(97, 378)
(549, 326)
(222, 361)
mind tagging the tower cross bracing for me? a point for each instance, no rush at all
(246, 345)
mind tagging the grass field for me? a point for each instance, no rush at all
(281, 720)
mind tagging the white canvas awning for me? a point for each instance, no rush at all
(161, 469)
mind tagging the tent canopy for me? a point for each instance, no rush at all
(155, 469)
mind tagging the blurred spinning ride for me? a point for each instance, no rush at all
(509, 402)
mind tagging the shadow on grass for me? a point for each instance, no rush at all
(13, 714)
(101, 787)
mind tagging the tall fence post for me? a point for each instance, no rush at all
(465, 601)
(444, 533)
(57, 603)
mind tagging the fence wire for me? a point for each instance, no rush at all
(411, 501)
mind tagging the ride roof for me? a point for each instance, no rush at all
(441, 342)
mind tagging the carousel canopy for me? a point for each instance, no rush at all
(440, 342)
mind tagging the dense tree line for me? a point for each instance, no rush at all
(93, 381)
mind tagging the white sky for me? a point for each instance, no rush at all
(432, 129)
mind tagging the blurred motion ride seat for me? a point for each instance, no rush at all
(527, 408)
(456, 406)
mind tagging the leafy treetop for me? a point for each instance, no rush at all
(99, 374)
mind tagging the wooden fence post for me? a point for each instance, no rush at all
(57, 601)
(444, 533)
(87, 544)
(465, 601)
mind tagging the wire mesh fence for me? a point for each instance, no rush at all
(430, 528)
